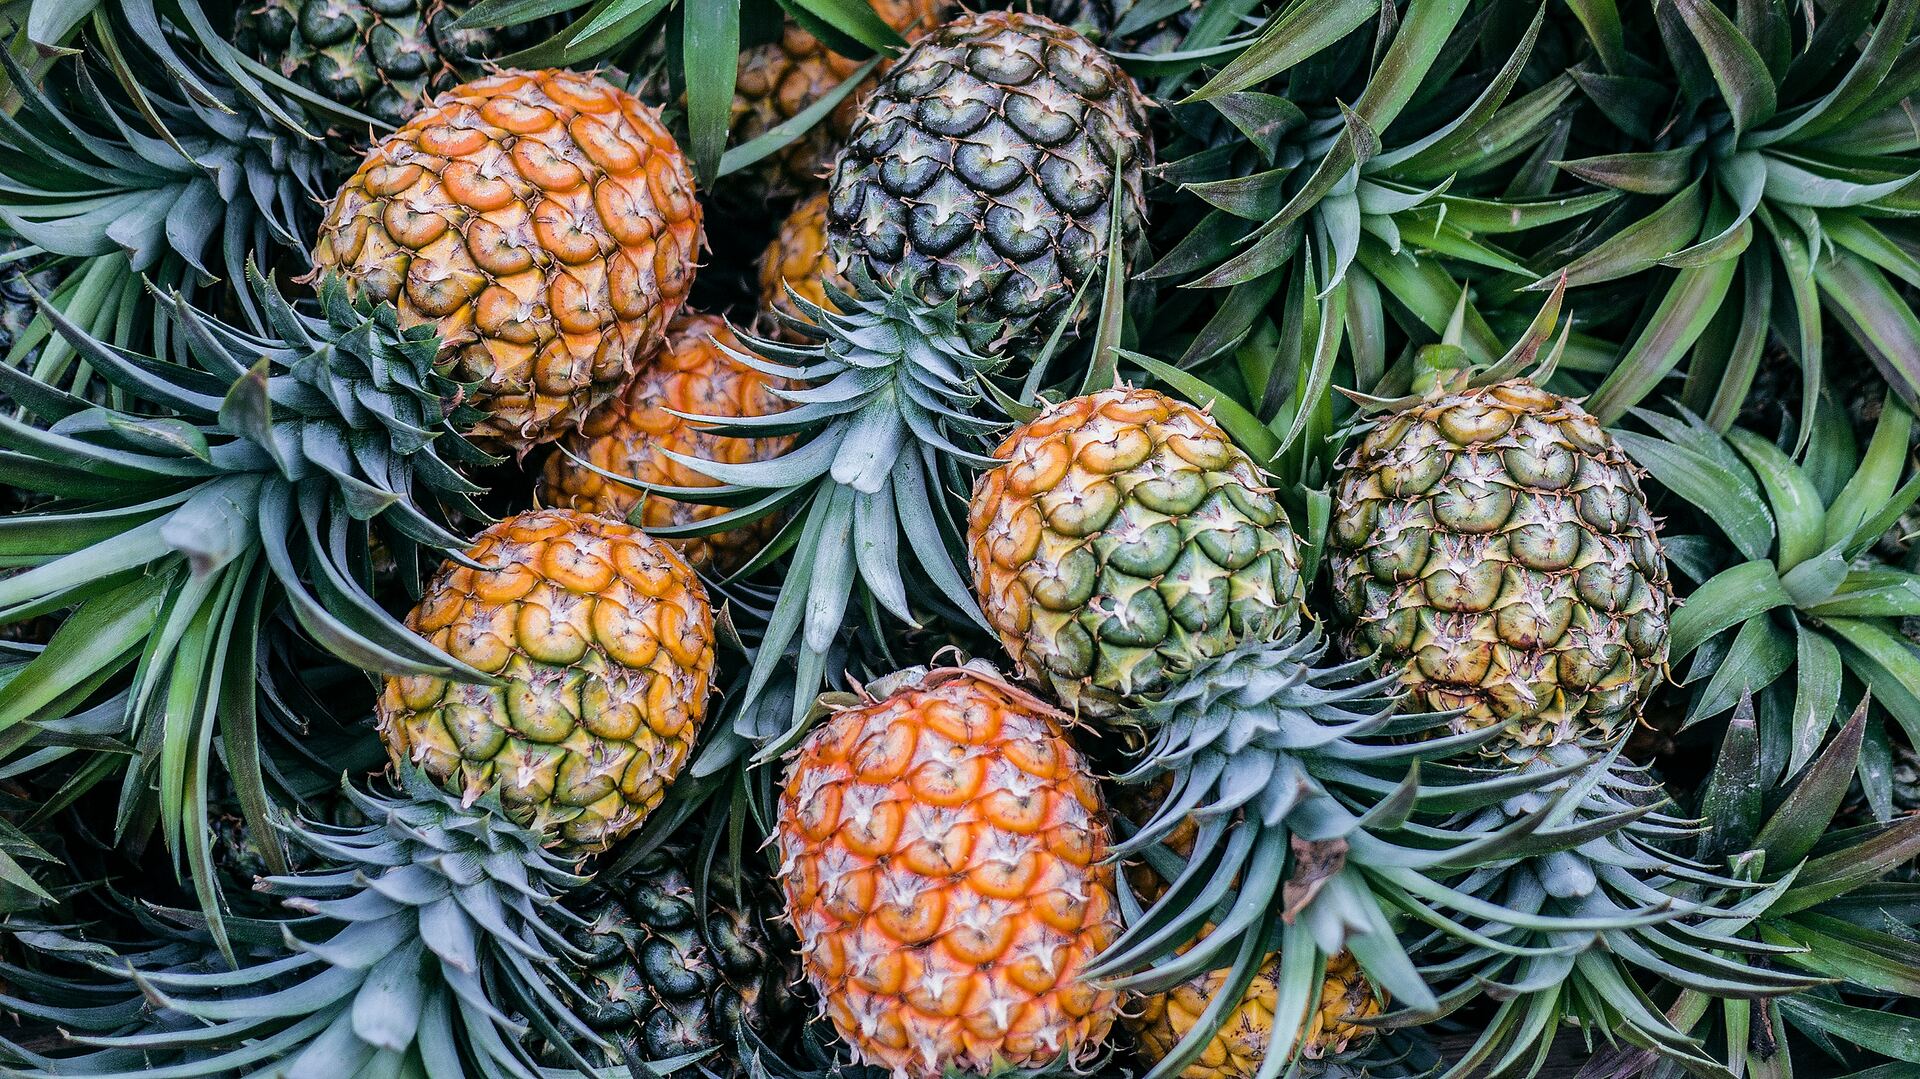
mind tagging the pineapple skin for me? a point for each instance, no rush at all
(1493, 545)
(1125, 539)
(1237, 1050)
(384, 58)
(942, 854)
(982, 170)
(543, 223)
(632, 432)
(797, 258)
(669, 971)
(605, 641)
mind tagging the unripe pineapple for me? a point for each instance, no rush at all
(1492, 544)
(671, 969)
(633, 432)
(983, 169)
(942, 851)
(778, 80)
(544, 223)
(604, 641)
(1126, 539)
(797, 259)
(1237, 1049)
(384, 58)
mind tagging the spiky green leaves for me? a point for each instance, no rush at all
(891, 415)
(220, 493)
(1304, 786)
(126, 173)
(1593, 895)
(1783, 191)
(427, 943)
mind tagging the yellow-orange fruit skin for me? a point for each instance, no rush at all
(797, 258)
(942, 854)
(1237, 1050)
(776, 81)
(544, 223)
(604, 641)
(631, 433)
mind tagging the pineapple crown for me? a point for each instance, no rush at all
(237, 482)
(441, 915)
(1318, 809)
(889, 406)
(86, 182)
(1591, 894)
(1446, 367)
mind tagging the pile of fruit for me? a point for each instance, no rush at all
(1130, 538)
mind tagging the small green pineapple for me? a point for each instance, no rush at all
(384, 58)
(671, 970)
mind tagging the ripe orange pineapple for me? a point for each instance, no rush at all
(942, 852)
(798, 259)
(777, 80)
(604, 641)
(544, 223)
(632, 433)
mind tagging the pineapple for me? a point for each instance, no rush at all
(634, 434)
(777, 80)
(382, 58)
(1126, 539)
(1239, 1048)
(544, 223)
(942, 847)
(1492, 545)
(797, 259)
(671, 969)
(604, 644)
(984, 169)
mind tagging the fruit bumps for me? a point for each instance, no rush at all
(942, 853)
(633, 433)
(983, 170)
(1494, 544)
(1125, 539)
(603, 641)
(543, 223)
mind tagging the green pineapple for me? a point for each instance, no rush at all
(671, 969)
(383, 58)
(983, 169)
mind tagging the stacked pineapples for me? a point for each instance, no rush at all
(1141, 575)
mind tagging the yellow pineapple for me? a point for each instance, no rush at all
(632, 434)
(942, 848)
(604, 642)
(1238, 1048)
(544, 223)
(798, 259)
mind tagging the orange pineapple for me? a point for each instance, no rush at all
(543, 223)
(942, 851)
(631, 434)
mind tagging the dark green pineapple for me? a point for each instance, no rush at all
(380, 57)
(670, 971)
